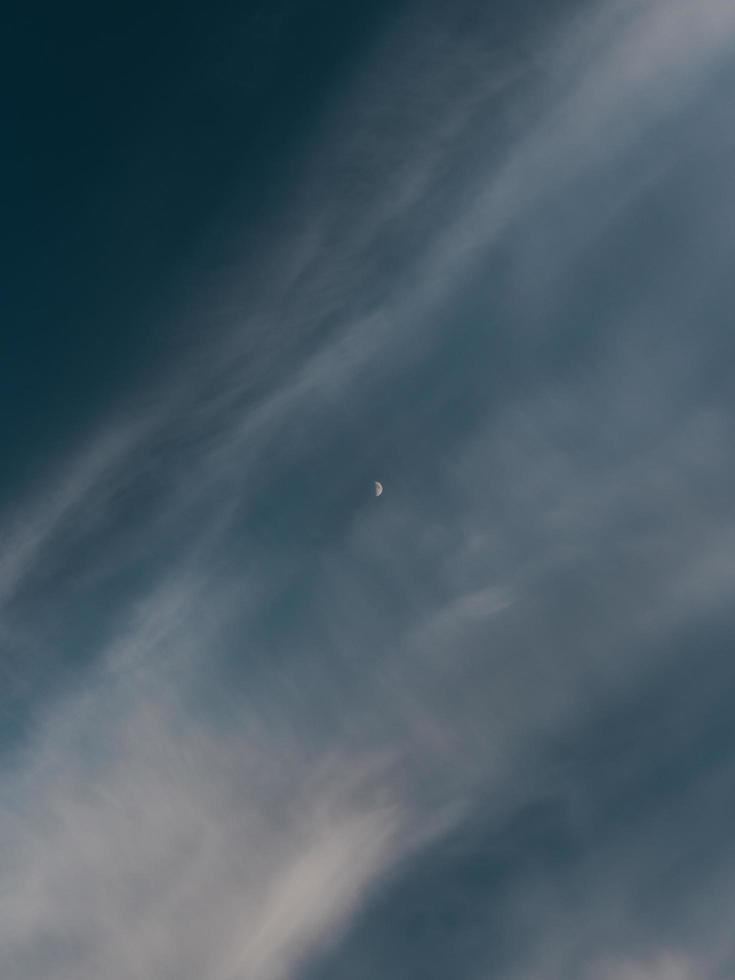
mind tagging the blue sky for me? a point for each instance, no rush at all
(255, 722)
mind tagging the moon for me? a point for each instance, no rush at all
(378, 488)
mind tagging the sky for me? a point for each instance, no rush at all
(257, 723)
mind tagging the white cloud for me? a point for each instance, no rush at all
(666, 966)
(142, 840)
(139, 842)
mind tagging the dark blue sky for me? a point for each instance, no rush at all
(144, 140)
(256, 723)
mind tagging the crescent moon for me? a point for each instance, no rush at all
(378, 488)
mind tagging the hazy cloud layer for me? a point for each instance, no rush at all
(266, 726)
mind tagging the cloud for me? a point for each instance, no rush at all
(34, 525)
(667, 966)
(293, 700)
(140, 841)
(225, 405)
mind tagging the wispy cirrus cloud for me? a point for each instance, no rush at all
(292, 696)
